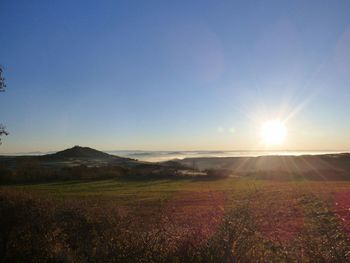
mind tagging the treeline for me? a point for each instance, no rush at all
(32, 171)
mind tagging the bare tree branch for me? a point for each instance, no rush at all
(2, 80)
(2, 89)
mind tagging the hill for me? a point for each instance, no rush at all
(327, 166)
(79, 152)
(79, 163)
(74, 156)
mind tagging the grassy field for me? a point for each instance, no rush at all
(181, 220)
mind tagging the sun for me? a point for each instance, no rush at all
(273, 133)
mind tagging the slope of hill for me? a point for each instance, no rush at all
(79, 152)
(78, 155)
(322, 166)
(328, 166)
(80, 163)
(74, 156)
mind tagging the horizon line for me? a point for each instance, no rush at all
(188, 151)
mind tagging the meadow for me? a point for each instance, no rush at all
(226, 220)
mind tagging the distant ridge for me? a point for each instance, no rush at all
(87, 156)
(80, 152)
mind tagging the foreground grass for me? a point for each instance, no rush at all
(129, 192)
(240, 220)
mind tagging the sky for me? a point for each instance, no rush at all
(174, 75)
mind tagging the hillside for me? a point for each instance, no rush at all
(74, 156)
(79, 152)
(322, 166)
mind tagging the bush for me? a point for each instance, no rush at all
(218, 173)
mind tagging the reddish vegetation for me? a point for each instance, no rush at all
(205, 222)
(277, 218)
(198, 213)
(342, 209)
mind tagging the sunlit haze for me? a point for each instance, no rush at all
(273, 133)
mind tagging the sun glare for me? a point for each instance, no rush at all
(273, 133)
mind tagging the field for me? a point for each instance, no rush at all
(228, 220)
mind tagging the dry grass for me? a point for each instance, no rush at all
(176, 221)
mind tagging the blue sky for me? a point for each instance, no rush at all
(180, 75)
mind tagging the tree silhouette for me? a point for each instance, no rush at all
(2, 89)
(2, 80)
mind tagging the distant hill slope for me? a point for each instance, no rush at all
(87, 156)
(79, 152)
(74, 156)
(320, 165)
